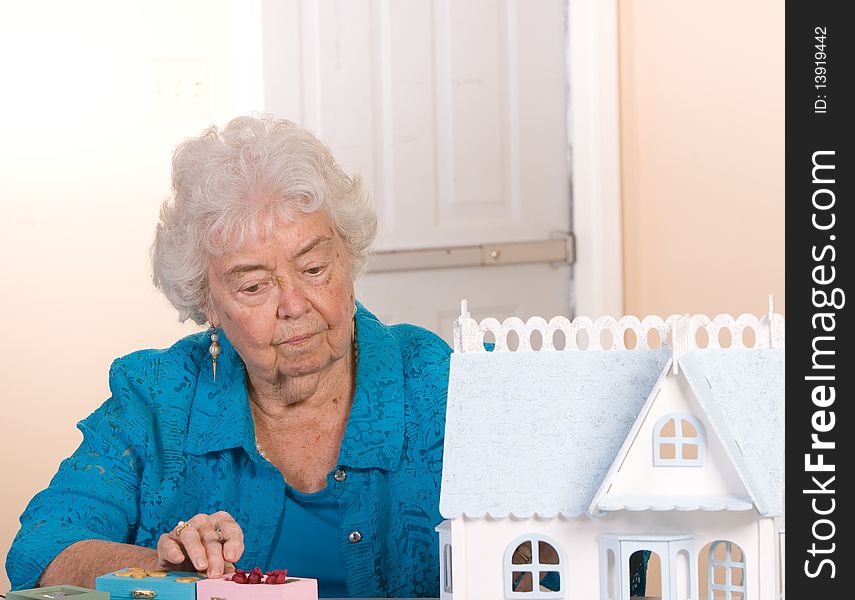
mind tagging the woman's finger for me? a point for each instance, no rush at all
(169, 551)
(194, 548)
(223, 521)
(214, 550)
(231, 534)
(232, 542)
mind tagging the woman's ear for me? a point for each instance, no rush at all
(211, 314)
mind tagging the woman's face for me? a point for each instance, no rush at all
(285, 300)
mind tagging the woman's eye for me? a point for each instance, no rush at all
(252, 289)
(315, 270)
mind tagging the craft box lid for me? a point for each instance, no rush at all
(297, 588)
(174, 586)
(58, 591)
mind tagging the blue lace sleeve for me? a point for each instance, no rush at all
(94, 495)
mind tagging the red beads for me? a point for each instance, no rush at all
(255, 576)
(276, 577)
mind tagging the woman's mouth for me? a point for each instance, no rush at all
(296, 340)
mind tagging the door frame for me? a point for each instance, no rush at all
(594, 136)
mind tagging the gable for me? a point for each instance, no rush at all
(695, 471)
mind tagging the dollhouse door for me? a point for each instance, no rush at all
(455, 114)
(678, 579)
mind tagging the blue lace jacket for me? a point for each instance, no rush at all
(171, 443)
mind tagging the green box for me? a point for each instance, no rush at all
(58, 591)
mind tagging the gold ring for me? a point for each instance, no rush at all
(220, 537)
(179, 528)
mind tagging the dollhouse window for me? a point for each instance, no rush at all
(534, 568)
(726, 571)
(447, 584)
(678, 441)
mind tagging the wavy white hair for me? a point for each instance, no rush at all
(226, 184)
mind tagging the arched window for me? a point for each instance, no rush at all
(611, 575)
(678, 441)
(726, 571)
(447, 582)
(534, 568)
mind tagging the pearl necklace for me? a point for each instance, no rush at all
(260, 450)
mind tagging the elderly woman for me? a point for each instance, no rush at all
(297, 432)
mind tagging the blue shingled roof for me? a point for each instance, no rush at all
(742, 392)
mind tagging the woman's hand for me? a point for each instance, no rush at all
(205, 543)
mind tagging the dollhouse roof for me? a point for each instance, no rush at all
(742, 392)
(536, 433)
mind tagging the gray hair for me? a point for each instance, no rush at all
(226, 183)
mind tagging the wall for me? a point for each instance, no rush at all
(702, 124)
(92, 107)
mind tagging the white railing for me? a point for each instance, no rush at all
(608, 333)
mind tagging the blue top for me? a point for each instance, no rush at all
(171, 443)
(306, 542)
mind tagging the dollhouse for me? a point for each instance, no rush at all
(575, 448)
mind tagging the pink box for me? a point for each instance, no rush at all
(223, 589)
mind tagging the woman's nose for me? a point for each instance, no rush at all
(292, 300)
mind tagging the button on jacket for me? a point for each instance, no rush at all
(171, 443)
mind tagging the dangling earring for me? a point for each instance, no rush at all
(214, 349)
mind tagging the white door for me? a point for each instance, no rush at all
(454, 113)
